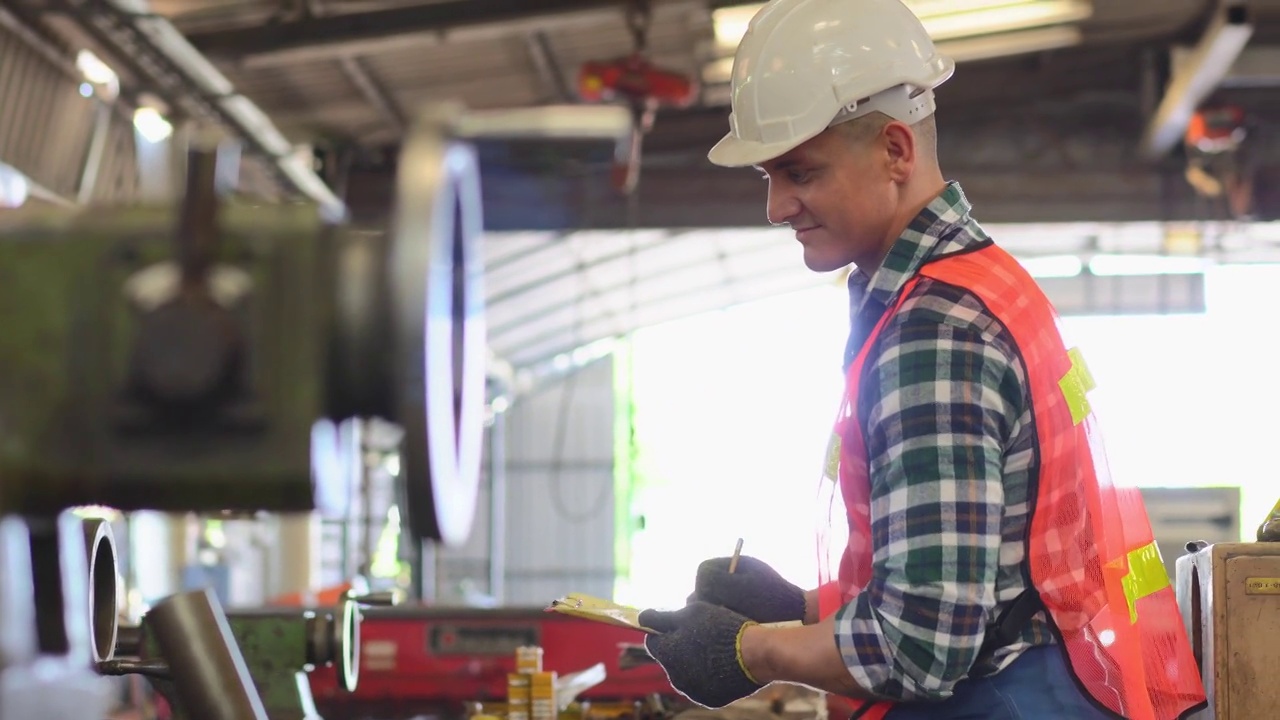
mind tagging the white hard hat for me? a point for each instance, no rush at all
(805, 65)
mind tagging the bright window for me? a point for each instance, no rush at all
(733, 409)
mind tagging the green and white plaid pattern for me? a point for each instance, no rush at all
(946, 416)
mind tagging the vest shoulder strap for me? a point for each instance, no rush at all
(1012, 622)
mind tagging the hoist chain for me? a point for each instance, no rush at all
(639, 17)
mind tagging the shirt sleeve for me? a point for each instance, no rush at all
(940, 398)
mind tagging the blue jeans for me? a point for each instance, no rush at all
(1036, 686)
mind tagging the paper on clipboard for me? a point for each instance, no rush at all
(604, 611)
(611, 613)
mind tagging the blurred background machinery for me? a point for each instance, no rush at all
(205, 358)
(1229, 594)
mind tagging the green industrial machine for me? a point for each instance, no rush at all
(187, 358)
(280, 647)
(178, 358)
(195, 358)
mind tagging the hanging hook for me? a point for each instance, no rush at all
(639, 15)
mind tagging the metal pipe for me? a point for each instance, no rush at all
(93, 158)
(498, 506)
(131, 666)
(196, 239)
(427, 564)
(128, 640)
(40, 192)
(207, 668)
(100, 550)
(19, 644)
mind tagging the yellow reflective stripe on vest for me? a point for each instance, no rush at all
(831, 468)
(1146, 576)
(1075, 386)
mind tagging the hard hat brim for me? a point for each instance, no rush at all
(733, 152)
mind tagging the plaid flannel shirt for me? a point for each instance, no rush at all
(946, 416)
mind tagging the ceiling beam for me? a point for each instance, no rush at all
(548, 67)
(709, 197)
(374, 91)
(390, 30)
(1030, 163)
(1257, 67)
(1196, 77)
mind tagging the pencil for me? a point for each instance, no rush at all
(733, 562)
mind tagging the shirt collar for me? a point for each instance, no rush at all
(922, 239)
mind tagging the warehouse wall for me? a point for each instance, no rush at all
(559, 498)
(462, 573)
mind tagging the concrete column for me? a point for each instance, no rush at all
(157, 550)
(155, 169)
(298, 554)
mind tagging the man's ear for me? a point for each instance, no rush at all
(900, 149)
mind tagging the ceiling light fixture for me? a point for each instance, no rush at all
(1010, 17)
(944, 19)
(962, 50)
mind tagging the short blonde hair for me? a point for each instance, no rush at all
(863, 130)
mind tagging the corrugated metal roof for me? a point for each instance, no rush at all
(549, 294)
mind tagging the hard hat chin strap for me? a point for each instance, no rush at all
(897, 102)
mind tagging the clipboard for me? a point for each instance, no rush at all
(598, 610)
(611, 613)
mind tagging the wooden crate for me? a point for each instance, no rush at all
(1229, 594)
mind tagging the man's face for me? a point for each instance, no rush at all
(840, 198)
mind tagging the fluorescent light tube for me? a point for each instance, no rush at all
(1007, 18)
(945, 20)
(720, 70)
(1007, 44)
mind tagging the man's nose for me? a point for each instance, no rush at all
(782, 205)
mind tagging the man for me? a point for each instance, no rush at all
(985, 566)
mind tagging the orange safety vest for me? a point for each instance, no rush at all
(1092, 557)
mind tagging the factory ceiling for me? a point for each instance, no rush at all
(349, 75)
(357, 68)
(1078, 123)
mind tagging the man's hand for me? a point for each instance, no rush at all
(700, 648)
(753, 589)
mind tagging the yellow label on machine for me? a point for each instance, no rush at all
(1262, 586)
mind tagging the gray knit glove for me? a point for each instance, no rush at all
(753, 589)
(700, 648)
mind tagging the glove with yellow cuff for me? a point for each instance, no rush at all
(700, 648)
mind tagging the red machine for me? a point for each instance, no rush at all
(1216, 129)
(419, 660)
(636, 79)
(645, 87)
